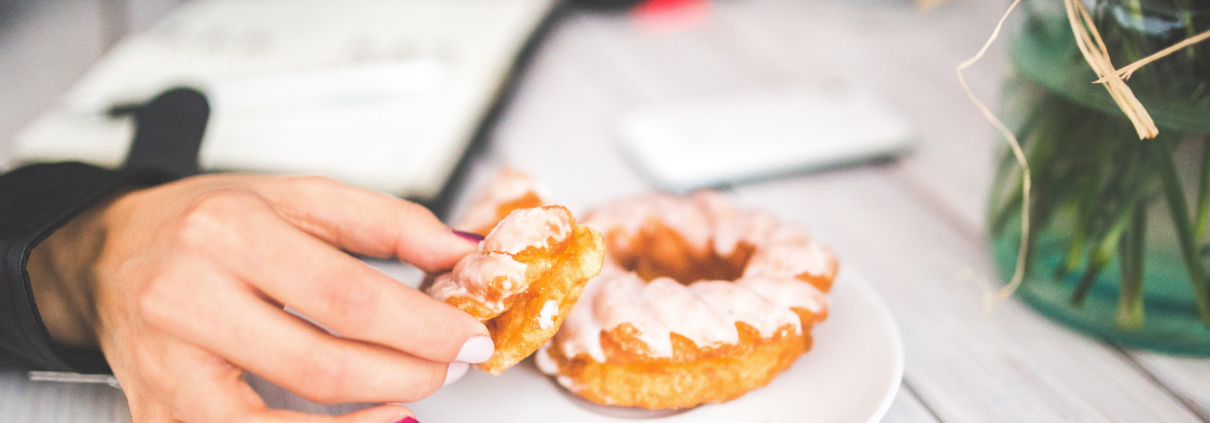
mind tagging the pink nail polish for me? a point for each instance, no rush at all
(469, 236)
(477, 349)
(408, 419)
(454, 372)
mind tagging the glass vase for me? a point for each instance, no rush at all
(1118, 243)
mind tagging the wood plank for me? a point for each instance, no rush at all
(1187, 377)
(909, 56)
(775, 44)
(560, 127)
(23, 401)
(907, 408)
(1013, 365)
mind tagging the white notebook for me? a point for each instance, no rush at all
(385, 94)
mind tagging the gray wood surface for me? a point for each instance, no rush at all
(911, 227)
(907, 408)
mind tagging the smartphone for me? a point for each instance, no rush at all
(723, 140)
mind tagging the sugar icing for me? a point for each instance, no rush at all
(704, 311)
(493, 269)
(476, 274)
(508, 185)
(525, 228)
(546, 317)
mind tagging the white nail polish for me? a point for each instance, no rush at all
(476, 350)
(455, 372)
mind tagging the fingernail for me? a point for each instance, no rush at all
(455, 372)
(469, 236)
(408, 419)
(476, 350)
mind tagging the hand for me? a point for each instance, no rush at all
(183, 286)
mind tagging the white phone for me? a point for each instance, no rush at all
(722, 140)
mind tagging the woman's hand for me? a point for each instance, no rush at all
(183, 286)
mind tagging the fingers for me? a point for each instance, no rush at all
(222, 398)
(145, 409)
(256, 336)
(223, 261)
(327, 285)
(367, 222)
(206, 389)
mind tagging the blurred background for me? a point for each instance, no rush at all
(46, 45)
(831, 79)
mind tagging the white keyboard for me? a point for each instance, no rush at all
(384, 94)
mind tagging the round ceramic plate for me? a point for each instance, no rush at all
(851, 375)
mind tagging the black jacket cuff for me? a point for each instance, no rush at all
(35, 201)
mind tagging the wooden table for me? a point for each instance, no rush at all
(912, 227)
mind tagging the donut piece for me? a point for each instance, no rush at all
(698, 303)
(529, 271)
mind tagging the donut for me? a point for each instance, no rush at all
(529, 271)
(508, 190)
(698, 302)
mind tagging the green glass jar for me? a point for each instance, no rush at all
(1119, 243)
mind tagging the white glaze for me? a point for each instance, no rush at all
(790, 259)
(609, 300)
(787, 292)
(628, 215)
(724, 220)
(476, 274)
(508, 185)
(525, 228)
(445, 287)
(736, 303)
(546, 317)
(759, 226)
(494, 268)
(789, 234)
(571, 385)
(543, 361)
(705, 311)
(578, 338)
(617, 301)
(682, 311)
(684, 217)
(547, 365)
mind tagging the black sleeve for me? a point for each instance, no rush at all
(38, 199)
(35, 201)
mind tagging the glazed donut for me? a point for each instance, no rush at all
(509, 190)
(698, 302)
(529, 271)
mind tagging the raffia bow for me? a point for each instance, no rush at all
(1092, 47)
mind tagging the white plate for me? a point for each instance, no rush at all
(851, 375)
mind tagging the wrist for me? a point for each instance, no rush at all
(62, 277)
